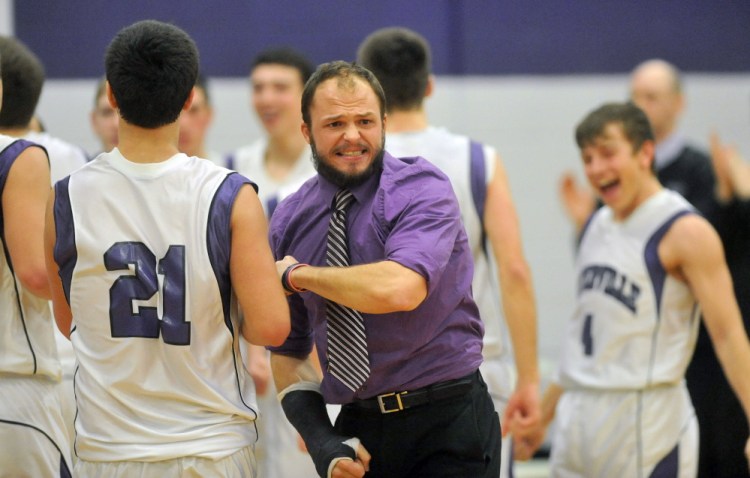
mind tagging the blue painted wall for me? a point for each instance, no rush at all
(476, 37)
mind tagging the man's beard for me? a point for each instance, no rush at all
(342, 179)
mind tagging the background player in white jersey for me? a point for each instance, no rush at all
(33, 434)
(400, 59)
(23, 76)
(279, 163)
(149, 254)
(645, 263)
(282, 158)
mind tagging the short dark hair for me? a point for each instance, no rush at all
(344, 71)
(151, 67)
(400, 59)
(635, 124)
(23, 77)
(288, 57)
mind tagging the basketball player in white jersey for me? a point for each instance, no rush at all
(33, 434)
(150, 254)
(400, 59)
(282, 157)
(21, 68)
(648, 266)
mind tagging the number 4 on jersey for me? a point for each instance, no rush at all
(129, 319)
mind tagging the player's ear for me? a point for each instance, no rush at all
(647, 154)
(111, 96)
(189, 100)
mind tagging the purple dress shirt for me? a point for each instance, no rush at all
(406, 213)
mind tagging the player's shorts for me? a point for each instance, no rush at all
(240, 464)
(32, 430)
(648, 433)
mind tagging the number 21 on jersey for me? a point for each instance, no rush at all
(127, 317)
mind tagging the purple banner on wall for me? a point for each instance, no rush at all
(468, 37)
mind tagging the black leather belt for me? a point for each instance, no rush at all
(399, 401)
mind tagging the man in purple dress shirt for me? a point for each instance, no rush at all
(424, 409)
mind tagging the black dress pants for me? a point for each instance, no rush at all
(456, 437)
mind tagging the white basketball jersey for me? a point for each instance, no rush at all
(27, 344)
(143, 252)
(634, 325)
(250, 161)
(450, 152)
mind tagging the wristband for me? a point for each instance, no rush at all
(286, 281)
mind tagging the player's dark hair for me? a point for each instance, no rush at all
(23, 77)
(634, 122)
(151, 67)
(346, 73)
(400, 59)
(288, 57)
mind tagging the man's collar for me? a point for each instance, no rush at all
(669, 149)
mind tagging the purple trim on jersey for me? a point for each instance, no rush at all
(219, 236)
(271, 205)
(585, 228)
(653, 264)
(219, 245)
(478, 180)
(64, 470)
(65, 253)
(668, 466)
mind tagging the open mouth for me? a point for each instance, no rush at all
(351, 154)
(609, 186)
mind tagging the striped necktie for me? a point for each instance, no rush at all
(347, 346)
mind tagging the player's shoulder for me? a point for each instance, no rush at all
(58, 148)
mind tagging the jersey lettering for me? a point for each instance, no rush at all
(612, 283)
(132, 312)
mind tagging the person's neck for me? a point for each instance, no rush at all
(15, 132)
(650, 187)
(406, 121)
(284, 150)
(146, 145)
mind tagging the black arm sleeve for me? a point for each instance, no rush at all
(306, 411)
